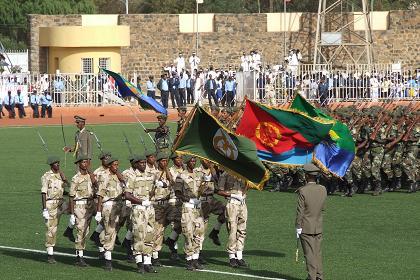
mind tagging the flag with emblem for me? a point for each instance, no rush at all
(127, 89)
(282, 136)
(336, 152)
(204, 137)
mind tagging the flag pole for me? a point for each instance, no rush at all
(184, 127)
(141, 124)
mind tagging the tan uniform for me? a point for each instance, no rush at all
(128, 174)
(161, 205)
(111, 191)
(236, 212)
(52, 186)
(311, 203)
(142, 216)
(175, 203)
(82, 192)
(192, 217)
(83, 143)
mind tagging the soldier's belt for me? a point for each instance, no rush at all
(141, 207)
(81, 202)
(111, 202)
(174, 200)
(192, 205)
(206, 197)
(54, 200)
(161, 202)
(236, 202)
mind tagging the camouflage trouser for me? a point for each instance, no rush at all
(387, 164)
(126, 215)
(210, 205)
(366, 166)
(348, 177)
(377, 155)
(83, 211)
(357, 169)
(55, 209)
(397, 160)
(143, 219)
(162, 209)
(192, 227)
(410, 162)
(111, 212)
(174, 217)
(236, 217)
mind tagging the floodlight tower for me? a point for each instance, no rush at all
(336, 38)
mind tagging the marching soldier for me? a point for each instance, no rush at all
(234, 189)
(411, 140)
(83, 142)
(150, 161)
(187, 188)
(82, 205)
(214, 111)
(182, 111)
(311, 203)
(162, 134)
(209, 204)
(161, 195)
(53, 204)
(138, 191)
(109, 207)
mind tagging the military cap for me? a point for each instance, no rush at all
(110, 160)
(224, 110)
(80, 158)
(104, 154)
(139, 157)
(131, 157)
(174, 155)
(187, 158)
(215, 108)
(310, 168)
(149, 153)
(78, 118)
(162, 116)
(182, 108)
(161, 155)
(52, 159)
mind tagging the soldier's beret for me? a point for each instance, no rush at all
(104, 154)
(52, 159)
(215, 108)
(78, 118)
(224, 110)
(139, 157)
(80, 158)
(162, 116)
(174, 155)
(110, 160)
(182, 109)
(310, 168)
(161, 155)
(149, 153)
(131, 157)
(187, 158)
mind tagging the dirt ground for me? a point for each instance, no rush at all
(123, 114)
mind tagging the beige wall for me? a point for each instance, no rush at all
(69, 59)
(283, 22)
(378, 21)
(84, 36)
(188, 23)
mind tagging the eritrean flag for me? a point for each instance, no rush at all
(336, 152)
(282, 136)
(127, 89)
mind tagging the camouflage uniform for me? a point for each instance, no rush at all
(236, 213)
(377, 152)
(52, 186)
(162, 138)
(82, 193)
(410, 165)
(389, 153)
(142, 216)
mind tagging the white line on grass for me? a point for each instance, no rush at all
(87, 257)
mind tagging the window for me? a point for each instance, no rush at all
(105, 62)
(87, 65)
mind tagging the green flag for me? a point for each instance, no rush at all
(206, 138)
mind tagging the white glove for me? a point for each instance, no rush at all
(72, 219)
(159, 184)
(298, 232)
(194, 201)
(146, 203)
(207, 178)
(236, 196)
(45, 214)
(98, 217)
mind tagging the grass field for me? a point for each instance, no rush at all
(364, 237)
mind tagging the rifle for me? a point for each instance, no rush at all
(409, 129)
(64, 139)
(127, 143)
(98, 143)
(44, 144)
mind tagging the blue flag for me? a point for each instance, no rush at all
(127, 89)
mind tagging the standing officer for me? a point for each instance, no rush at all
(108, 210)
(82, 206)
(139, 190)
(162, 133)
(311, 203)
(53, 204)
(234, 189)
(182, 111)
(83, 141)
(187, 188)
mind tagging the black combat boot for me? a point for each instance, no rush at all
(412, 188)
(149, 268)
(242, 263)
(397, 183)
(377, 188)
(197, 264)
(190, 265)
(201, 260)
(214, 235)
(80, 262)
(108, 265)
(233, 263)
(367, 186)
(140, 268)
(156, 262)
(69, 234)
(51, 259)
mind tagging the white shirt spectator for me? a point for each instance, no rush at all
(194, 62)
(180, 63)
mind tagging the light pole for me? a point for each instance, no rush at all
(196, 24)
